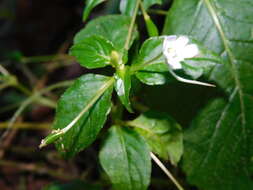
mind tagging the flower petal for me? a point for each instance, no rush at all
(175, 63)
(181, 42)
(190, 51)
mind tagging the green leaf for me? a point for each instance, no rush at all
(125, 158)
(127, 6)
(151, 27)
(152, 68)
(93, 52)
(219, 144)
(202, 64)
(162, 133)
(112, 27)
(90, 4)
(123, 86)
(150, 63)
(87, 102)
(149, 3)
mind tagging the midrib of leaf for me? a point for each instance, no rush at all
(223, 113)
(59, 132)
(131, 27)
(231, 57)
(90, 104)
(122, 140)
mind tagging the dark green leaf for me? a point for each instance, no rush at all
(218, 147)
(125, 158)
(91, 96)
(123, 86)
(162, 133)
(93, 52)
(112, 27)
(90, 4)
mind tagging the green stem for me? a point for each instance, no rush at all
(158, 12)
(38, 59)
(30, 100)
(23, 89)
(3, 71)
(131, 27)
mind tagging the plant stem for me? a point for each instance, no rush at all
(131, 27)
(158, 12)
(23, 89)
(45, 58)
(3, 71)
(28, 101)
(166, 171)
(25, 125)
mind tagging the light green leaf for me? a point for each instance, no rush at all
(90, 4)
(112, 27)
(88, 101)
(123, 86)
(162, 133)
(127, 7)
(125, 158)
(219, 143)
(93, 52)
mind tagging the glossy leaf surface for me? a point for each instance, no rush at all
(93, 52)
(219, 144)
(91, 93)
(162, 133)
(125, 158)
(112, 27)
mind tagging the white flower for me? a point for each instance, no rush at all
(176, 49)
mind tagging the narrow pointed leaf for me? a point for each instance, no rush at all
(125, 158)
(163, 134)
(93, 52)
(90, 94)
(90, 4)
(219, 144)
